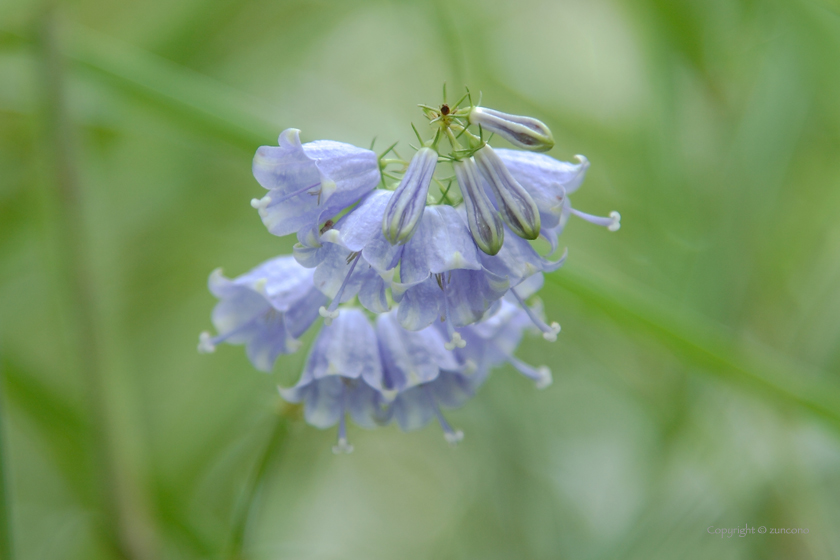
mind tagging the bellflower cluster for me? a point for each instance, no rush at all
(421, 283)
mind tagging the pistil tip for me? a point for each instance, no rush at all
(260, 203)
(456, 342)
(342, 447)
(205, 343)
(454, 437)
(551, 335)
(327, 314)
(545, 377)
(616, 221)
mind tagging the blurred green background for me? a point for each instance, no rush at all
(696, 378)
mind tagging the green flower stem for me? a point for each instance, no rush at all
(453, 141)
(198, 101)
(705, 343)
(245, 507)
(465, 131)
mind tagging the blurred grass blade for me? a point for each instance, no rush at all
(5, 498)
(65, 429)
(705, 343)
(122, 525)
(202, 102)
(242, 513)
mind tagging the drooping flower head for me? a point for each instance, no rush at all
(420, 288)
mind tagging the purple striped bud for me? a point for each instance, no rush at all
(485, 225)
(518, 209)
(404, 210)
(523, 132)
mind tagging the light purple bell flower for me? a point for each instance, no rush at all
(550, 182)
(422, 374)
(311, 183)
(266, 309)
(343, 375)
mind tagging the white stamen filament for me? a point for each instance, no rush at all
(452, 437)
(261, 203)
(331, 312)
(266, 201)
(612, 223)
(456, 342)
(549, 331)
(342, 446)
(455, 339)
(205, 343)
(541, 375)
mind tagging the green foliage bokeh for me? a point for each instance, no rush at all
(696, 377)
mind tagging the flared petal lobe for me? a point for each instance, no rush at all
(442, 243)
(547, 180)
(310, 183)
(410, 358)
(342, 374)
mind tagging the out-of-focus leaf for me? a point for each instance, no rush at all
(715, 348)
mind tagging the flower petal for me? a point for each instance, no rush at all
(470, 294)
(420, 305)
(410, 358)
(361, 225)
(312, 182)
(441, 243)
(547, 180)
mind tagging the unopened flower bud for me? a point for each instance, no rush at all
(485, 225)
(518, 209)
(523, 132)
(404, 210)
